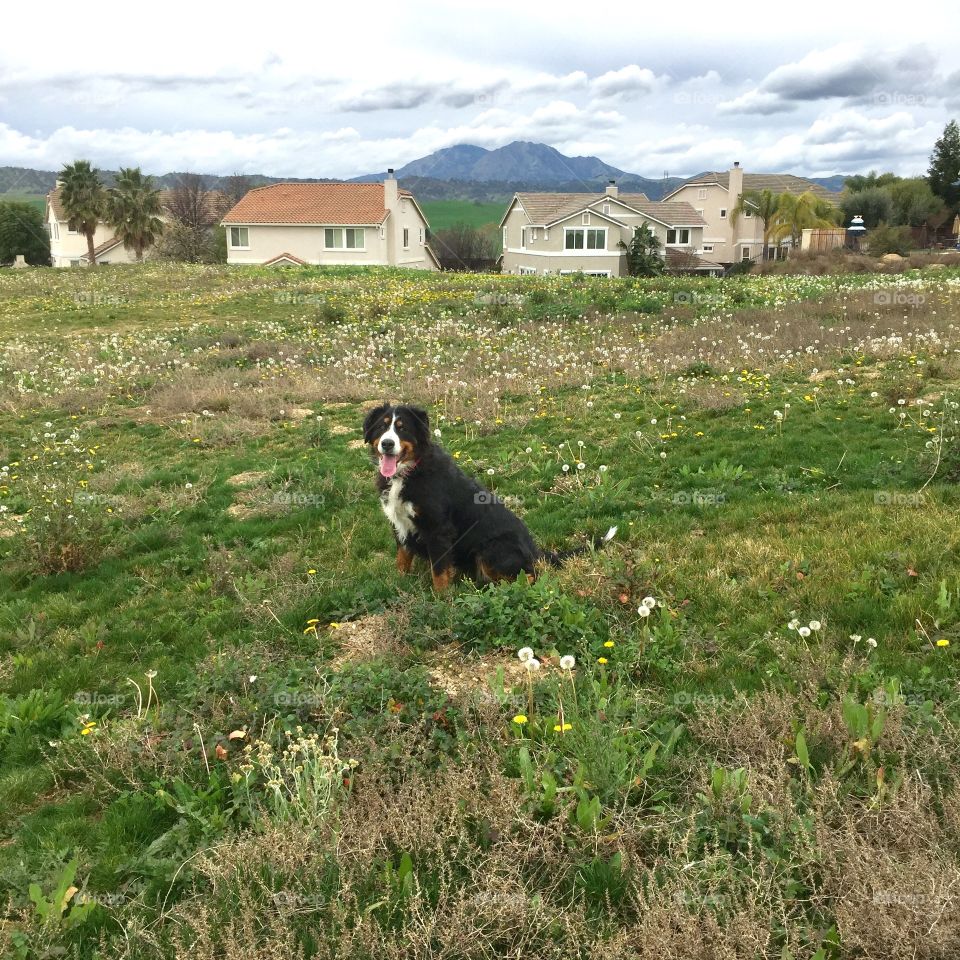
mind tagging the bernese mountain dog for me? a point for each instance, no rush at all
(439, 513)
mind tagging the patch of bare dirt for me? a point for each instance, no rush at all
(366, 639)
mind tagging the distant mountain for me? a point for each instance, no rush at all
(834, 183)
(462, 172)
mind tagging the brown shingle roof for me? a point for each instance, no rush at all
(544, 208)
(319, 203)
(774, 182)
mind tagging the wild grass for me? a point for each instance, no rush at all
(229, 728)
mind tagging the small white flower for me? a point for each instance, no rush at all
(793, 624)
(437, 433)
(252, 678)
(524, 654)
(188, 486)
(654, 421)
(803, 631)
(566, 467)
(603, 468)
(871, 642)
(529, 450)
(649, 602)
(567, 662)
(643, 611)
(490, 471)
(581, 465)
(815, 624)
(532, 664)
(856, 638)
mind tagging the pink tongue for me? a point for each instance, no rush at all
(388, 465)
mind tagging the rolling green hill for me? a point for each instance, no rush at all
(445, 213)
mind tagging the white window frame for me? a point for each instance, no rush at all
(745, 253)
(343, 238)
(708, 248)
(421, 236)
(585, 219)
(586, 232)
(406, 238)
(504, 238)
(699, 212)
(679, 240)
(238, 245)
(55, 230)
(748, 213)
(72, 233)
(527, 271)
(606, 208)
(585, 273)
(702, 193)
(723, 213)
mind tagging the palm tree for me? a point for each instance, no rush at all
(762, 204)
(798, 211)
(83, 201)
(133, 210)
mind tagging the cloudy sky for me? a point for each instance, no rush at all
(340, 89)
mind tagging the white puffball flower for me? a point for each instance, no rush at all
(490, 471)
(643, 611)
(649, 602)
(815, 624)
(437, 433)
(567, 662)
(532, 664)
(803, 631)
(524, 654)
(871, 642)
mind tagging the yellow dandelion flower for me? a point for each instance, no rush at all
(520, 719)
(562, 729)
(609, 643)
(601, 659)
(943, 642)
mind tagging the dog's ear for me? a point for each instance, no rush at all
(421, 424)
(371, 419)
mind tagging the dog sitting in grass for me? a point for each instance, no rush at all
(442, 515)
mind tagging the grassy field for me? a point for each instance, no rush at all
(32, 198)
(445, 213)
(229, 728)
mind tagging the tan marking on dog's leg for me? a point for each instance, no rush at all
(404, 559)
(443, 579)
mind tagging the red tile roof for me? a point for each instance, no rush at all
(313, 203)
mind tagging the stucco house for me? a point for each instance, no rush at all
(715, 195)
(329, 223)
(546, 233)
(68, 248)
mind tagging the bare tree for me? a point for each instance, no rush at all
(191, 203)
(462, 246)
(236, 187)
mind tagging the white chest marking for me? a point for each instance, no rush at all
(399, 512)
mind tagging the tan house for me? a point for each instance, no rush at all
(329, 223)
(68, 248)
(715, 195)
(546, 233)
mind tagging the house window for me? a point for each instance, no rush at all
(700, 212)
(56, 230)
(71, 232)
(708, 248)
(421, 236)
(585, 218)
(678, 237)
(406, 238)
(344, 238)
(748, 213)
(240, 238)
(526, 271)
(746, 254)
(504, 238)
(606, 208)
(74, 263)
(585, 239)
(723, 213)
(702, 193)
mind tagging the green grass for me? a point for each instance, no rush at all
(38, 201)
(195, 562)
(442, 214)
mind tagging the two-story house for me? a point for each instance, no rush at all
(714, 196)
(329, 223)
(68, 248)
(551, 233)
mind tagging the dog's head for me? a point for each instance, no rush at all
(397, 435)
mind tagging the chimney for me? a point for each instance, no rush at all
(390, 190)
(612, 189)
(736, 184)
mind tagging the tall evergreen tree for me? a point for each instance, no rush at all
(133, 210)
(83, 199)
(944, 170)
